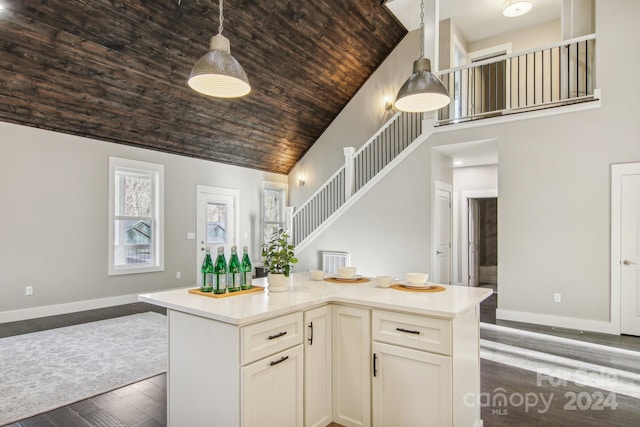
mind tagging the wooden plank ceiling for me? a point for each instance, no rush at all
(116, 70)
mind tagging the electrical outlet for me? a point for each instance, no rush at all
(557, 297)
(28, 290)
(178, 275)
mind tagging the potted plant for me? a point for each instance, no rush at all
(278, 258)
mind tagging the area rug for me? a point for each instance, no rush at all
(45, 370)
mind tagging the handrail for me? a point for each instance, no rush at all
(516, 54)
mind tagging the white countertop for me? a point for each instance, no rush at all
(304, 293)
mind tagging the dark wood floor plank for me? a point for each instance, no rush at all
(65, 417)
(120, 408)
(37, 421)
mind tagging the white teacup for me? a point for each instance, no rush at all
(383, 281)
(316, 274)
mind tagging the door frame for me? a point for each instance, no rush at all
(617, 172)
(217, 191)
(441, 185)
(464, 232)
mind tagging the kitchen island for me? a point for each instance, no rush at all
(354, 354)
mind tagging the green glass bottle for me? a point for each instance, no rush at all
(220, 273)
(207, 272)
(245, 268)
(233, 284)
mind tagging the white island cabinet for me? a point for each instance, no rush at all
(353, 354)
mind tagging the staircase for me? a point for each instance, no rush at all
(361, 170)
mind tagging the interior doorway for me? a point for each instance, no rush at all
(483, 242)
(479, 238)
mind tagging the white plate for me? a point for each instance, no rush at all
(354, 277)
(411, 285)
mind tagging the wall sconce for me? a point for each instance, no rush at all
(301, 181)
(388, 105)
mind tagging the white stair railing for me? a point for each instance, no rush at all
(359, 168)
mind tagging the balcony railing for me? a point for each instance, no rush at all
(557, 74)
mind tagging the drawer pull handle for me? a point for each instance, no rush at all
(375, 358)
(409, 331)
(311, 333)
(273, 337)
(282, 359)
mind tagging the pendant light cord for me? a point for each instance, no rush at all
(421, 29)
(221, 27)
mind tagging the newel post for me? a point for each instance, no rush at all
(288, 220)
(348, 172)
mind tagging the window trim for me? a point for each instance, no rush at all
(157, 172)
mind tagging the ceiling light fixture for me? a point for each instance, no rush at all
(422, 91)
(512, 8)
(218, 73)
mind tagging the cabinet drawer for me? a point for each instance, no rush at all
(413, 331)
(271, 336)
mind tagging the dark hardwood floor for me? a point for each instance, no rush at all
(144, 403)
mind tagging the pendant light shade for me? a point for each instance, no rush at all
(218, 73)
(512, 8)
(422, 91)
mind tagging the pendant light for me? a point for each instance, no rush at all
(512, 8)
(422, 91)
(218, 73)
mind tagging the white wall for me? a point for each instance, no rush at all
(523, 39)
(54, 192)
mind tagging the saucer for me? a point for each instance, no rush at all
(411, 285)
(354, 277)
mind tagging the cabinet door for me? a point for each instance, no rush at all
(411, 388)
(272, 390)
(317, 367)
(351, 366)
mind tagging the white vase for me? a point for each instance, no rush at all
(278, 282)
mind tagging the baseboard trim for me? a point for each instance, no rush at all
(72, 307)
(558, 321)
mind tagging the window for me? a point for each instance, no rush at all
(216, 223)
(274, 198)
(136, 228)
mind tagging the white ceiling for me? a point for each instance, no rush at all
(476, 19)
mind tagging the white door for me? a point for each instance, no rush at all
(630, 254)
(216, 222)
(442, 235)
(474, 245)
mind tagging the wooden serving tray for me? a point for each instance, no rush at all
(401, 287)
(346, 281)
(197, 291)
